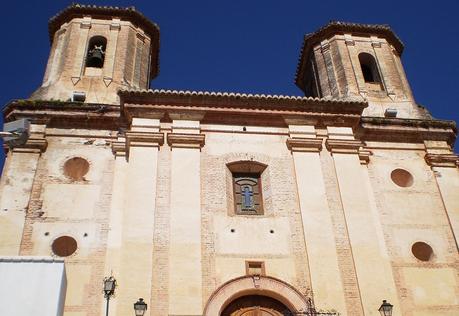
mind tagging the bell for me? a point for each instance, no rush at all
(95, 57)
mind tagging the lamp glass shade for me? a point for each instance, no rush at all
(140, 307)
(109, 285)
(385, 309)
(139, 312)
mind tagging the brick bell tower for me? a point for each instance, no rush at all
(95, 51)
(355, 61)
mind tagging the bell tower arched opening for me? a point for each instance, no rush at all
(369, 68)
(95, 55)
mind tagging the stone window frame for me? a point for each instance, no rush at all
(255, 168)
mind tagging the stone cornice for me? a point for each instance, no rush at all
(239, 109)
(183, 140)
(349, 146)
(406, 130)
(119, 147)
(122, 145)
(144, 139)
(61, 114)
(304, 144)
(442, 160)
(35, 144)
(343, 146)
(204, 99)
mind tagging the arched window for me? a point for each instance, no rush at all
(248, 198)
(96, 52)
(247, 192)
(369, 68)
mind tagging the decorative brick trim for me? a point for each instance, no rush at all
(304, 144)
(186, 140)
(442, 160)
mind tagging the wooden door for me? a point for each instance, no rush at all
(256, 311)
(256, 305)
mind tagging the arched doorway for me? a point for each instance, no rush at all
(256, 296)
(256, 305)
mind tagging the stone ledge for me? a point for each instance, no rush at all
(343, 146)
(349, 146)
(144, 139)
(442, 160)
(304, 144)
(33, 145)
(30, 259)
(186, 140)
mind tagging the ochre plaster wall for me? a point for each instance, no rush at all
(160, 218)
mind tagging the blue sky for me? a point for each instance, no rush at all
(248, 45)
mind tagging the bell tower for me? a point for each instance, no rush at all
(355, 61)
(95, 51)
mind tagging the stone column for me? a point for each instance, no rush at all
(372, 264)
(445, 163)
(16, 188)
(131, 236)
(185, 272)
(318, 230)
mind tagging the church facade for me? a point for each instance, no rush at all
(207, 203)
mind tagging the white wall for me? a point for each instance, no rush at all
(32, 286)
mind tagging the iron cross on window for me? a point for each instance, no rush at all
(247, 197)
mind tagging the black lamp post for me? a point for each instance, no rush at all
(140, 307)
(386, 308)
(109, 290)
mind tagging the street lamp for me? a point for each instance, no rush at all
(140, 307)
(386, 308)
(109, 290)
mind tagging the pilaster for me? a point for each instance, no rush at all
(330, 68)
(109, 66)
(185, 271)
(352, 52)
(315, 214)
(16, 187)
(381, 61)
(83, 32)
(444, 163)
(373, 268)
(131, 244)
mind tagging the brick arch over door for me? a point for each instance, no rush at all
(248, 285)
